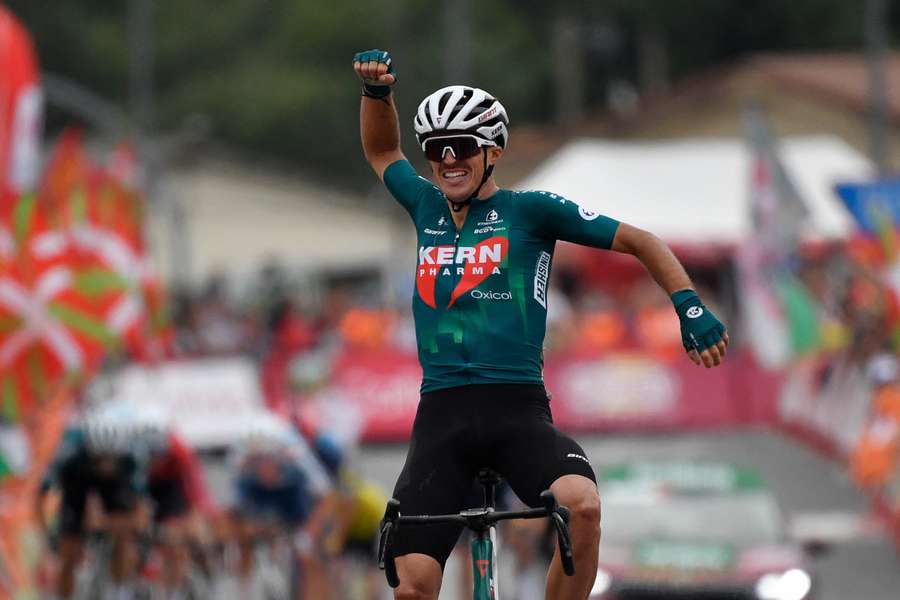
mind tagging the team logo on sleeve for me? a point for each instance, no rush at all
(541, 275)
(587, 215)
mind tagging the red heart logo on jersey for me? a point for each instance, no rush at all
(488, 255)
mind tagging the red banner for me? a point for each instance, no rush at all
(589, 393)
(636, 390)
(380, 387)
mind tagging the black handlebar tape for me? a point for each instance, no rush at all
(560, 516)
(390, 569)
(385, 550)
(565, 544)
(383, 542)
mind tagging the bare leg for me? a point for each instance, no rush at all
(69, 556)
(420, 577)
(465, 568)
(122, 530)
(580, 495)
(176, 553)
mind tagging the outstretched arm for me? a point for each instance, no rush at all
(699, 327)
(655, 255)
(378, 122)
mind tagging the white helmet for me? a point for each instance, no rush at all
(463, 109)
(121, 427)
(152, 427)
(106, 432)
(266, 433)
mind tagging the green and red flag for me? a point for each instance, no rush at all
(49, 326)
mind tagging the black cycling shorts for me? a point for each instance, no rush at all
(169, 497)
(457, 431)
(117, 493)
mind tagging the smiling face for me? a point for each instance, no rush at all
(459, 178)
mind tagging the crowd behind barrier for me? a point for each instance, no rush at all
(842, 390)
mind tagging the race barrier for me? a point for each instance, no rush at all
(589, 392)
(843, 408)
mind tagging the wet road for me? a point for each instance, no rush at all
(802, 480)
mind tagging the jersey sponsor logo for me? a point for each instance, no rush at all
(587, 215)
(441, 221)
(473, 264)
(541, 275)
(479, 295)
(488, 229)
(492, 218)
(483, 253)
(694, 312)
(434, 232)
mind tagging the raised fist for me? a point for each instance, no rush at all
(374, 67)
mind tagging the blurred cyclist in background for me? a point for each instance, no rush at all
(103, 457)
(182, 503)
(281, 487)
(353, 536)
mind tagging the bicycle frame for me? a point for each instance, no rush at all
(484, 545)
(484, 565)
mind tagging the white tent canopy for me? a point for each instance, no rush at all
(697, 190)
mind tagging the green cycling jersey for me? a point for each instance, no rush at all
(480, 300)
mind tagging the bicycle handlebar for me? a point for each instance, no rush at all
(475, 520)
(560, 517)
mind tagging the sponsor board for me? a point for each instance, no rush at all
(620, 388)
(208, 401)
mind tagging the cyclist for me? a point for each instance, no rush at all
(98, 456)
(479, 305)
(182, 503)
(360, 505)
(280, 483)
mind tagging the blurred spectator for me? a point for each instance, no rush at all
(220, 330)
